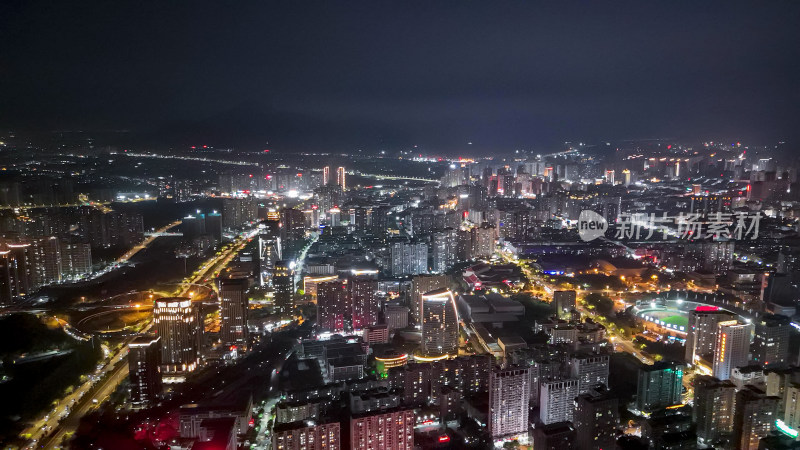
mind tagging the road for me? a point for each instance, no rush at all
(111, 375)
(147, 241)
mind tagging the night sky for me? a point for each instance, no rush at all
(341, 75)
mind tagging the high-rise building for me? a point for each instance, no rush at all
(659, 386)
(364, 301)
(396, 317)
(76, 259)
(713, 408)
(409, 258)
(754, 417)
(340, 178)
(732, 348)
(557, 400)
(439, 322)
(790, 415)
(564, 303)
(421, 284)
(508, 402)
(16, 280)
(214, 225)
(556, 436)
(233, 311)
(333, 311)
(293, 221)
(483, 243)
(771, 343)
(44, 257)
(701, 333)
(270, 250)
(307, 435)
(326, 175)
(443, 249)
(144, 371)
(238, 211)
(176, 323)
(596, 419)
(283, 284)
(385, 430)
(590, 370)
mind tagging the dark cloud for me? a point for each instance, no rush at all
(313, 75)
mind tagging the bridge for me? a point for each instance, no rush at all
(162, 233)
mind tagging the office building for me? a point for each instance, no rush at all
(713, 408)
(557, 400)
(307, 435)
(364, 301)
(732, 349)
(439, 323)
(590, 370)
(177, 324)
(340, 178)
(386, 430)
(509, 390)
(754, 417)
(333, 311)
(564, 303)
(144, 371)
(771, 343)
(234, 307)
(701, 333)
(596, 419)
(283, 285)
(326, 175)
(659, 386)
(421, 284)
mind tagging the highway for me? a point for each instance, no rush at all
(112, 374)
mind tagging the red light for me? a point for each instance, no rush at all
(205, 146)
(748, 188)
(444, 438)
(251, 175)
(706, 308)
(266, 151)
(669, 146)
(194, 147)
(299, 174)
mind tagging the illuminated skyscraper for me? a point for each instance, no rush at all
(732, 348)
(283, 284)
(659, 386)
(508, 402)
(333, 310)
(233, 311)
(557, 400)
(421, 284)
(771, 343)
(340, 178)
(361, 290)
(383, 430)
(144, 372)
(326, 175)
(754, 417)
(177, 324)
(439, 322)
(713, 408)
(596, 418)
(701, 333)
